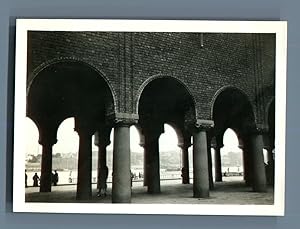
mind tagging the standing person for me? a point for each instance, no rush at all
(35, 179)
(131, 177)
(52, 178)
(26, 179)
(55, 178)
(70, 177)
(103, 184)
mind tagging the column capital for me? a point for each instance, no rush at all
(125, 119)
(47, 142)
(47, 138)
(213, 142)
(241, 146)
(217, 146)
(185, 143)
(257, 129)
(202, 125)
(84, 126)
(142, 140)
(102, 137)
(152, 130)
(217, 142)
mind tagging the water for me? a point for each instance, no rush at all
(70, 176)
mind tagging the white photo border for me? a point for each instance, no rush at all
(24, 25)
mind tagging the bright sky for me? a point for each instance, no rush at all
(230, 142)
(68, 140)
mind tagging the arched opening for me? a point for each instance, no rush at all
(232, 109)
(163, 101)
(231, 157)
(65, 152)
(69, 89)
(170, 155)
(33, 152)
(136, 157)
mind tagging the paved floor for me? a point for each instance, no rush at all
(230, 191)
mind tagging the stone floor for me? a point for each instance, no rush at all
(230, 191)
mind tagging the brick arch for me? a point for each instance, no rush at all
(222, 89)
(161, 76)
(48, 63)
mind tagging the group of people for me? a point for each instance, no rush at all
(102, 184)
(36, 179)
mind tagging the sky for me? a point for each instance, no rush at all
(68, 140)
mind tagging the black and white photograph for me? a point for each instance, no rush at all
(150, 117)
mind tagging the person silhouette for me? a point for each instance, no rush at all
(36, 179)
(55, 178)
(131, 178)
(26, 179)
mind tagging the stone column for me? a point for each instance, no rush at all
(200, 160)
(218, 163)
(152, 161)
(47, 140)
(247, 161)
(101, 164)
(270, 155)
(209, 159)
(102, 140)
(146, 164)
(185, 160)
(84, 177)
(270, 167)
(259, 172)
(121, 186)
(121, 180)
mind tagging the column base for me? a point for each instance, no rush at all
(123, 199)
(155, 191)
(83, 196)
(201, 194)
(262, 188)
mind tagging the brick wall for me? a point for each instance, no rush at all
(127, 60)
